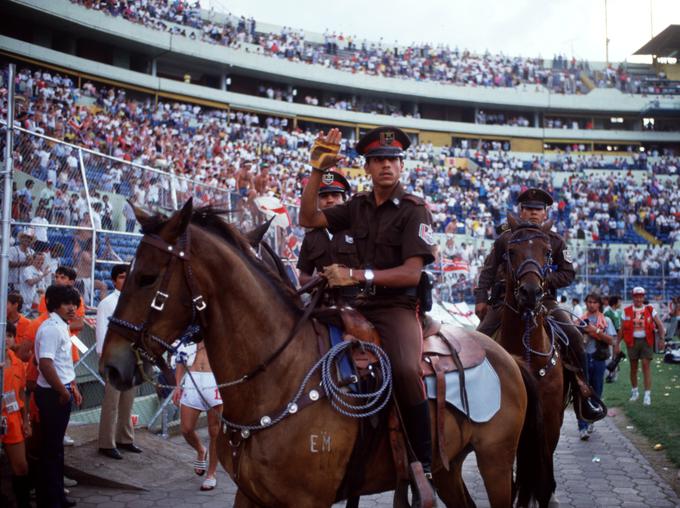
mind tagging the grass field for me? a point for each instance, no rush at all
(660, 422)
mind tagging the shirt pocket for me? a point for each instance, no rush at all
(388, 248)
(344, 250)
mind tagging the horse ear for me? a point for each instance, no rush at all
(513, 221)
(256, 235)
(144, 217)
(178, 222)
(547, 226)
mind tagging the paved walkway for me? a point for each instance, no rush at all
(605, 471)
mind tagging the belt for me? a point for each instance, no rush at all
(379, 291)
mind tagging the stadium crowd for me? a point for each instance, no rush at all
(424, 62)
(252, 155)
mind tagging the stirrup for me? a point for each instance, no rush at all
(421, 486)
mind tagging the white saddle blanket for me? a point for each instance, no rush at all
(483, 389)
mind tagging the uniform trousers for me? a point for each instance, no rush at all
(115, 425)
(402, 339)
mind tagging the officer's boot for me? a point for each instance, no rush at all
(587, 405)
(419, 433)
(21, 486)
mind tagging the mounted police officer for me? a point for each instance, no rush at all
(321, 248)
(490, 294)
(392, 233)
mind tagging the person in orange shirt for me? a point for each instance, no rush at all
(15, 420)
(22, 345)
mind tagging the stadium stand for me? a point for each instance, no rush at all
(615, 190)
(418, 62)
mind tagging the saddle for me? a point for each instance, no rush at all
(444, 350)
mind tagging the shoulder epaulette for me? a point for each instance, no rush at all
(413, 199)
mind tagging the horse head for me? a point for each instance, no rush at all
(529, 257)
(158, 285)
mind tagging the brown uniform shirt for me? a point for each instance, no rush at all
(385, 235)
(493, 271)
(320, 248)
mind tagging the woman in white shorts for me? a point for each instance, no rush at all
(191, 404)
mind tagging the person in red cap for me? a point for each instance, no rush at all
(392, 232)
(639, 324)
(320, 248)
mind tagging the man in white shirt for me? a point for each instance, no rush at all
(115, 426)
(56, 389)
(34, 279)
(20, 256)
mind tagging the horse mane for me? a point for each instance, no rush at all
(212, 220)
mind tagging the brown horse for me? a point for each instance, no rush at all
(194, 269)
(522, 331)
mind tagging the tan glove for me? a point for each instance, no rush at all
(338, 275)
(324, 156)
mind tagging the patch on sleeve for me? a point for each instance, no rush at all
(567, 256)
(426, 234)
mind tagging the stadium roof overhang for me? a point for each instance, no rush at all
(666, 44)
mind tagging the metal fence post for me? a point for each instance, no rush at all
(6, 212)
(94, 229)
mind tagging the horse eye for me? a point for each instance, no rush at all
(146, 280)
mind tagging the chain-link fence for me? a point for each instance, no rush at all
(74, 207)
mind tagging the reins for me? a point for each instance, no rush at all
(137, 334)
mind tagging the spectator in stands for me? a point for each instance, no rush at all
(56, 389)
(15, 419)
(40, 223)
(34, 280)
(26, 203)
(129, 215)
(115, 425)
(639, 325)
(20, 257)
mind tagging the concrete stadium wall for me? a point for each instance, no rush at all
(598, 100)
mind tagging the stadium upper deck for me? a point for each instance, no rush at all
(529, 116)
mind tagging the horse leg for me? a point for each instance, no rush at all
(243, 501)
(450, 486)
(495, 466)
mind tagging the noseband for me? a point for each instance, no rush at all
(529, 265)
(138, 334)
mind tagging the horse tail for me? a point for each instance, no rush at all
(534, 479)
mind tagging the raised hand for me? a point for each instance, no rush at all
(325, 150)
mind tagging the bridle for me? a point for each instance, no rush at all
(530, 265)
(138, 334)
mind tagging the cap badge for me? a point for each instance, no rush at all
(327, 178)
(387, 138)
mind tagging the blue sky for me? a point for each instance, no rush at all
(515, 27)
